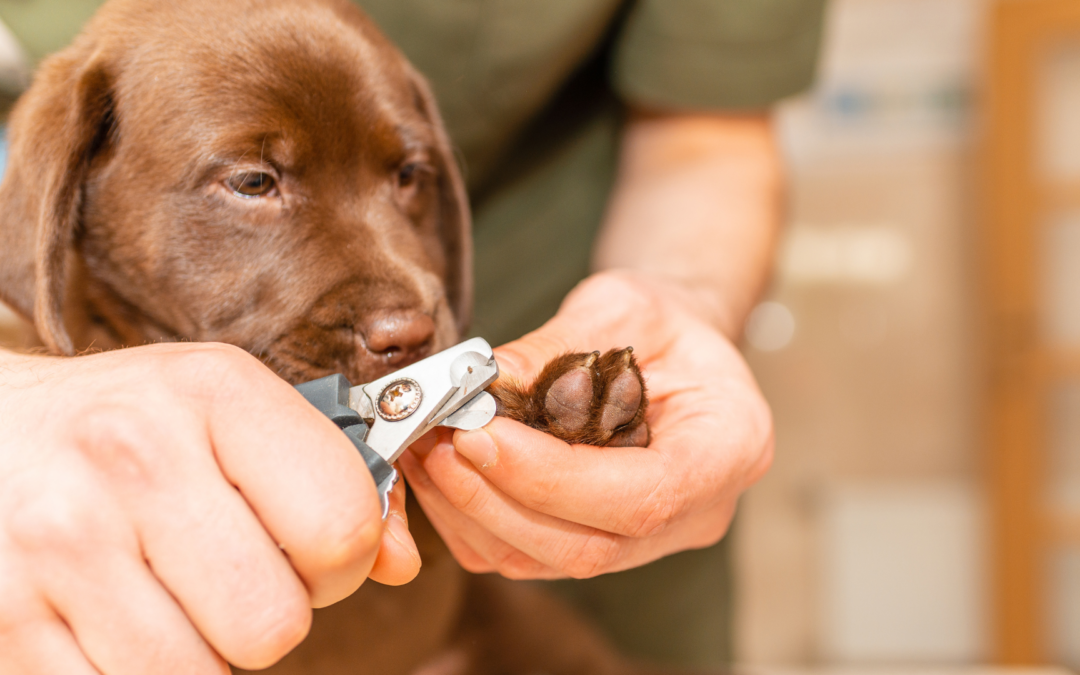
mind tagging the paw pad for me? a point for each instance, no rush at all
(583, 398)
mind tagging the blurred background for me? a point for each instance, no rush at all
(920, 348)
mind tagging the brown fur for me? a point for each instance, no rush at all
(117, 228)
(532, 405)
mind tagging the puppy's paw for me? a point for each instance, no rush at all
(582, 398)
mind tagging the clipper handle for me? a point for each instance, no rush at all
(331, 396)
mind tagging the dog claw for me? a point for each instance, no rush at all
(622, 400)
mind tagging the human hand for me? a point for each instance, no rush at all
(510, 499)
(172, 507)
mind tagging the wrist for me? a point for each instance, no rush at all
(697, 297)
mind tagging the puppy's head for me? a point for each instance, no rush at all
(269, 173)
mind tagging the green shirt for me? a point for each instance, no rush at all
(533, 93)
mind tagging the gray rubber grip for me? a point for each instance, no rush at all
(331, 396)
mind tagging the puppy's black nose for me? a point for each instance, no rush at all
(399, 336)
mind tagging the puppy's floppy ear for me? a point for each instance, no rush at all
(54, 131)
(455, 220)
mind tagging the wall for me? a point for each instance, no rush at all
(866, 544)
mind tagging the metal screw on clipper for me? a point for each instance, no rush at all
(382, 418)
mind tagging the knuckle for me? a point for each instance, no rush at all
(202, 358)
(53, 521)
(516, 573)
(214, 355)
(288, 628)
(653, 513)
(211, 361)
(281, 629)
(596, 555)
(543, 486)
(10, 624)
(540, 493)
(764, 443)
(122, 443)
(469, 498)
(469, 559)
(353, 535)
(17, 611)
(510, 563)
(475, 565)
(758, 430)
(707, 539)
(763, 462)
(502, 558)
(10, 619)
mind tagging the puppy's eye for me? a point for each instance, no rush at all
(409, 174)
(251, 184)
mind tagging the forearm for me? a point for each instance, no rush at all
(697, 200)
(694, 216)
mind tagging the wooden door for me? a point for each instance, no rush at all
(1031, 217)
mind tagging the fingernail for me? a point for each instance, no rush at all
(478, 447)
(398, 528)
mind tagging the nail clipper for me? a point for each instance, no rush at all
(382, 418)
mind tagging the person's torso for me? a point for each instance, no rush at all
(494, 64)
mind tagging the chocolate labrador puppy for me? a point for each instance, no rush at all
(274, 174)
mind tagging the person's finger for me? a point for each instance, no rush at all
(421, 488)
(574, 550)
(399, 560)
(302, 477)
(709, 440)
(531, 548)
(197, 533)
(42, 648)
(473, 546)
(626, 491)
(431, 502)
(123, 620)
(33, 639)
(442, 519)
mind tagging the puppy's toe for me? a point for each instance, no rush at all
(633, 437)
(570, 393)
(583, 398)
(621, 417)
(622, 390)
(562, 401)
